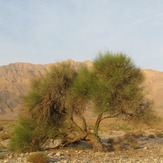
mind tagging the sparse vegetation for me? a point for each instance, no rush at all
(57, 102)
(135, 134)
(122, 143)
(28, 136)
(37, 157)
(159, 134)
(132, 142)
(120, 126)
(2, 155)
(1, 128)
(151, 136)
(4, 136)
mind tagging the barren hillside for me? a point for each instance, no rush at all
(15, 82)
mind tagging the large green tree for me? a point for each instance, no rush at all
(59, 100)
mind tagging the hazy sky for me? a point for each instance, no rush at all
(47, 31)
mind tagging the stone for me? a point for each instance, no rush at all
(58, 154)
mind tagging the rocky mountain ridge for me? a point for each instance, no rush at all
(15, 80)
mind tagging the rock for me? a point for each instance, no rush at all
(145, 148)
(58, 154)
(50, 143)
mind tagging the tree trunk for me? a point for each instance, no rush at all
(84, 124)
(89, 137)
(97, 124)
(75, 139)
(95, 142)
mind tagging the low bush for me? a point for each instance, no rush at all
(1, 128)
(4, 136)
(2, 155)
(131, 142)
(29, 136)
(151, 136)
(135, 134)
(159, 134)
(25, 137)
(117, 126)
(118, 147)
(37, 157)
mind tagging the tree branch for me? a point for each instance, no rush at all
(75, 125)
(111, 116)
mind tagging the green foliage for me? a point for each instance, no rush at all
(85, 83)
(117, 126)
(29, 136)
(113, 85)
(122, 91)
(24, 136)
(2, 155)
(159, 134)
(47, 96)
(46, 108)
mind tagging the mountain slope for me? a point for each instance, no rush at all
(15, 82)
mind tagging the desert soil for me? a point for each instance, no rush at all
(150, 150)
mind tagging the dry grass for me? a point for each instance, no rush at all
(1, 128)
(37, 157)
(2, 155)
(135, 134)
(4, 136)
(159, 134)
(123, 143)
(151, 136)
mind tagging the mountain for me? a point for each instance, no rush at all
(154, 83)
(15, 82)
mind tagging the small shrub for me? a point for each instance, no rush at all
(151, 136)
(132, 142)
(30, 136)
(4, 136)
(25, 138)
(159, 134)
(118, 140)
(110, 141)
(139, 134)
(2, 155)
(117, 126)
(125, 128)
(135, 134)
(37, 157)
(1, 128)
(118, 147)
(2, 146)
(115, 144)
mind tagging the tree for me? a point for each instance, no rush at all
(120, 93)
(59, 100)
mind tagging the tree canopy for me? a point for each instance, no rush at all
(58, 101)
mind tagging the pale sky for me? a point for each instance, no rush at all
(48, 31)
